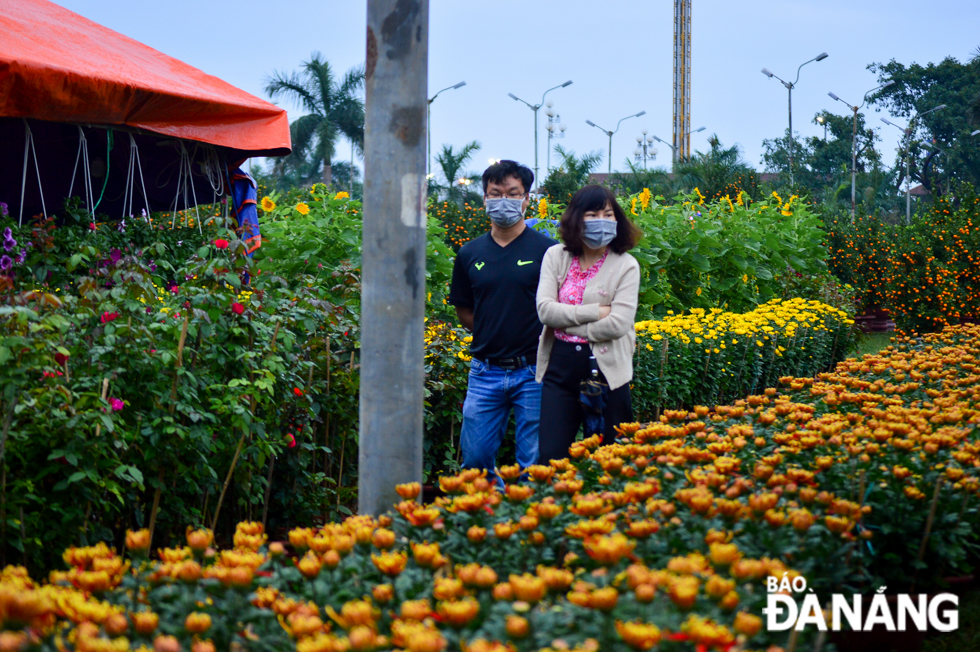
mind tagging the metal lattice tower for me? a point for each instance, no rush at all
(682, 79)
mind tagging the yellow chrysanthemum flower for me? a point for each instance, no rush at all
(267, 205)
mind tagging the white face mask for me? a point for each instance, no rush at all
(599, 233)
(505, 212)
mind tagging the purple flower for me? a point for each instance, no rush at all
(9, 244)
(19, 258)
(153, 267)
(3, 209)
(6, 262)
(7, 233)
(122, 226)
(115, 255)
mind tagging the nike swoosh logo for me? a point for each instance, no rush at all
(521, 263)
(479, 266)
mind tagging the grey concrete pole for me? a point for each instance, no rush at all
(792, 183)
(854, 132)
(393, 251)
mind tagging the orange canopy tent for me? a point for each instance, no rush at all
(65, 79)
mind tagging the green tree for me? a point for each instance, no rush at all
(334, 109)
(918, 89)
(571, 174)
(823, 167)
(457, 186)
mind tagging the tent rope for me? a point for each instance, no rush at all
(86, 171)
(130, 192)
(29, 146)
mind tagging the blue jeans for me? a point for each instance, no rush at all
(490, 395)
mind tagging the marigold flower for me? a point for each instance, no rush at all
(638, 635)
(415, 610)
(476, 534)
(409, 491)
(138, 541)
(527, 587)
(197, 623)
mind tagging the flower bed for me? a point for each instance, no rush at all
(708, 357)
(858, 478)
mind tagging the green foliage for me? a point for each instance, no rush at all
(457, 186)
(724, 254)
(333, 109)
(918, 89)
(571, 173)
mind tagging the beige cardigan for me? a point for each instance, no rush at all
(613, 338)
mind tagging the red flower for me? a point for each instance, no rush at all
(292, 440)
(297, 391)
(91, 226)
(109, 316)
(221, 243)
(237, 308)
(60, 358)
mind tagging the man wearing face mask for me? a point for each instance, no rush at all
(495, 279)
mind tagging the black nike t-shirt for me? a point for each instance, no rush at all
(500, 285)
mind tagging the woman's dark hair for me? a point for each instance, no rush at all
(595, 198)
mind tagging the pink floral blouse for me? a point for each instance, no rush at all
(573, 288)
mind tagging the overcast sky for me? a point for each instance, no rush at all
(618, 53)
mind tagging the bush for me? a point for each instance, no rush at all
(722, 254)
(925, 274)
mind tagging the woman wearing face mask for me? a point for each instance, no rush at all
(586, 300)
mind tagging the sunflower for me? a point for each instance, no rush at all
(302, 208)
(342, 195)
(268, 205)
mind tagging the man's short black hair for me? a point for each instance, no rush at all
(500, 170)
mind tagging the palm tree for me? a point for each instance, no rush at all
(570, 175)
(334, 109)
(451, 162)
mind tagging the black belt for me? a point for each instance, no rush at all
(508, 364)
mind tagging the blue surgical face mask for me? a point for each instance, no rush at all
(505, 212)
(598, 233)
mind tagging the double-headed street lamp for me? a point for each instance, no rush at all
(610, 133)
(535, 107)
(854, 131)
(673, 151)
(428, 130)
(908, 146)
(789, 87)
(644, 149)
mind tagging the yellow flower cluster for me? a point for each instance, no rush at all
(714, 328)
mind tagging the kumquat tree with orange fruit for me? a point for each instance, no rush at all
(924, 274)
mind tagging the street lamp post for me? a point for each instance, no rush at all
(644, 149)
(555, 130)
(908, 146)
(673, 151)
(789, 87)
(822, 121)
(854, 130)
(610, 133)
(428, 120)
(534, 108)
